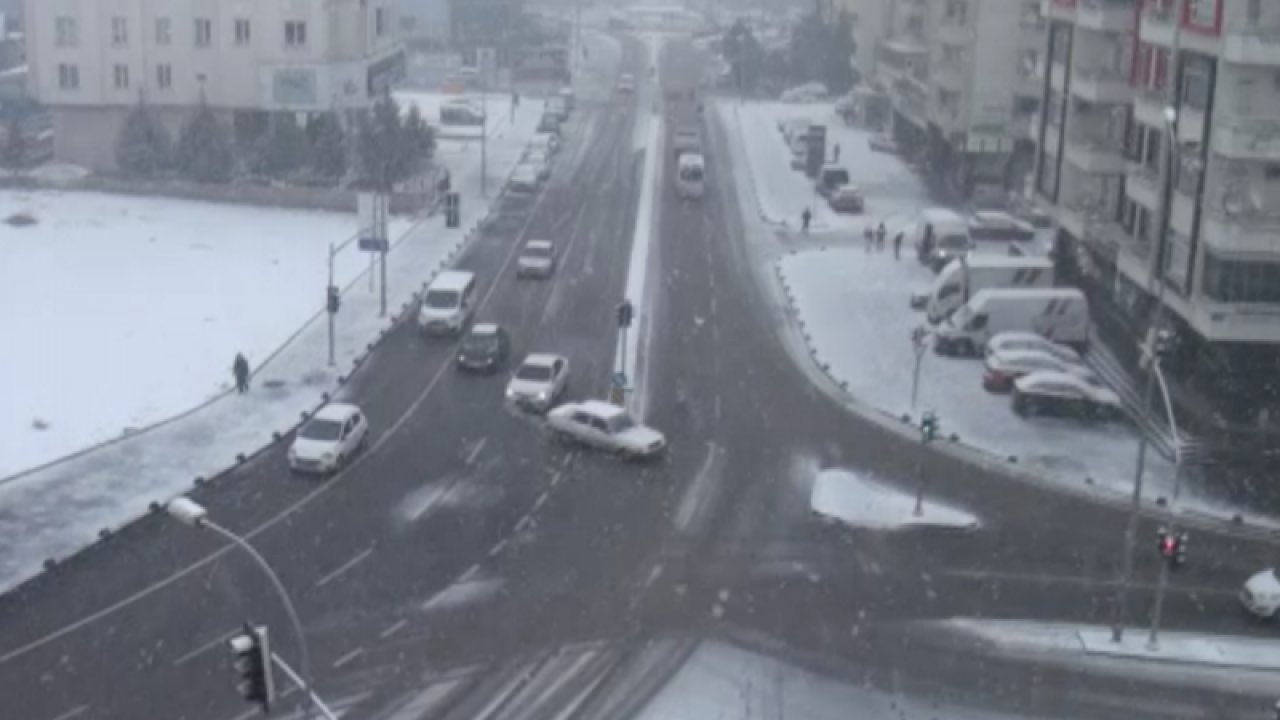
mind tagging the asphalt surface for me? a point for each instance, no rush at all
(513, 577)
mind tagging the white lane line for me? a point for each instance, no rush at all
(555, 479)
(717, 409)
(348, 658)
(654, 574)
(74, 712)
(542, 499)
(470, 573)
(397, 627)
(344, 567)
(205, 647)
(493, 551)
(524, 523)
(475, 451)
(305, 500)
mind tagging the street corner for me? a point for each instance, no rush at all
(857, 500)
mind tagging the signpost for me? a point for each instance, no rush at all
(626, 315)
(919, 343)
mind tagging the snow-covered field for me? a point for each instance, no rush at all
(126, 310)
(888, 186)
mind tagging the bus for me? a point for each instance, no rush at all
(690, 176)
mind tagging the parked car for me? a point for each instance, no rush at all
(540, 160)
(1010, 341)
(1059, 313)
(686, 140)
(537, 259)
(966, 277)
(605, 426)
(999, 226)
(539, 381)
(799, 157)
(847, 199)
(627, 83)
(940, 235)
(526, 178)
(461, 112)
(484, 348)
(1004, 368)
(1261, 594)
(549, 123)
(806, 93)
(329, 439)
(793, 128)
(1048, 392)
(547, 141)
(882, 144)
(831, 178)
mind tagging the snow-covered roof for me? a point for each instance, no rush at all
(484, 329)
(538, 245)
(338, 412)
(543, 359)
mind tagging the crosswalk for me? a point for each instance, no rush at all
(1154, 425)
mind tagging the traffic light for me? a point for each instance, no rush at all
(251, 658)
(625, 314)
(1179, 552)
(1166, 543)
(334, 299)
(928, 427)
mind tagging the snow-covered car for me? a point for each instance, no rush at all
(461, 112)
(525, 178)
(605, 426)
(536, 259)
(1261, 594)
(794, 129)
(1048, 392)
(1004, 367)
(808, 92)
(627, 83)
(539, 381)
(799, 157)
(998, 226)
(546, 141)
(483, 349)
(846, 199)
(882, 144)
(549, 123)
(540, 160)
(329, 439)
(1009, 341)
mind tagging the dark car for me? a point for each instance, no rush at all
(846, 199)
(549, 123)
(484, 348)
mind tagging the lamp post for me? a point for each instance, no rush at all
(191, 513)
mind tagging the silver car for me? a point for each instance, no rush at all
(539, 381)
(537, 259)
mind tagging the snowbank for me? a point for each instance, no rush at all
(856, 500)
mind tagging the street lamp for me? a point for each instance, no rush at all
(190, 513)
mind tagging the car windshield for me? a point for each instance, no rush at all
(621, 423)
(534, 373)
(480, 342)
(691, 173)
(537, 252)
(320, 429)
(954, 242)
(441, 299)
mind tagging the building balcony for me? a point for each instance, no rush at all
(1182, 213)
(1251, 45)
(1156, 26)
(1143, 185)
(1058, 76)
(1105, 15)
(1149, 105)
(1248, 138)
(1094, 155)
(1100, 84)
(1242, 227)
(1059, 9)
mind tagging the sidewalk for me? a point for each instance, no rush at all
(57, 510)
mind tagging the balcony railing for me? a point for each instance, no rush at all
(1250, 44)
(1249, 137)
(1098, 74)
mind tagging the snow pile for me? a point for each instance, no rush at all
(855, 500)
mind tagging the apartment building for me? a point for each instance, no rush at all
(91, 60)
(961, 73)
(1159, 153)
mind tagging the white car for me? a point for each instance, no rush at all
(537, 259)
(525, 178)
(1006, 341)
(627, 83)
(539, 158)
(329, 439)
(606, 426)
(1006, 366)
(539, 380)
(547, 142)
(1055, 393)
(1261, 594)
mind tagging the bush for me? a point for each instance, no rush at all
(143, 147)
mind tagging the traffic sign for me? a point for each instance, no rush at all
(620, 379)
(373, 243)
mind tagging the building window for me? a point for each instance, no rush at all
(66, 34)
(380, 21)
(164, 77)
(120, 74)
(68, 77)
(119, 31)
(295, 33)
(204, 32)
(1195, 82)
(242, 31)
(1201, 15)
(1241, 281)
(164, 31)
(1254, 11)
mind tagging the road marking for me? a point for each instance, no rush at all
(555, 479)
(539, 502)
(717, 409)
(399, 625)
(348, 658)
(205, 647)
(344, 567)
(654, 574)
(1086, 581)
(470, 573)
(302, 502)
(74, 712)
(493, 551)
(475, 451)
(524, 523)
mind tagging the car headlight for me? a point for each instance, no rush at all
(511, 394)
(544, 396)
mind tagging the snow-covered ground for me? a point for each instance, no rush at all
(54, 511)
(862, 502)
(888, 186)
(127, 310)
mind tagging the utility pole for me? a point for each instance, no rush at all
(928, 431)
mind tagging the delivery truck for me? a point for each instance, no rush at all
(1059, 314)
(963, 278)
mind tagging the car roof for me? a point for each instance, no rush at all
(339, 412)
(1055, 376)
(485, 329)
(600, 408)
(539, 244)
(940, 215)
(541, 358)
(848, 190)
(691, 159)
(452, 280)
(1014, 356)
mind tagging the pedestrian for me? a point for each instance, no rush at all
(805, 217)
(869, 237)
(897, 246)
(836, 150)
(880, 233)
(240, 368)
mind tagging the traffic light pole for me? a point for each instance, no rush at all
(305, 680)
(315, 699)
(328, 308)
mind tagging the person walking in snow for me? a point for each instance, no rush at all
(805, 218)
(240, 368)
(880, 233)
(897, 246)
(836, 150)
(869, 237)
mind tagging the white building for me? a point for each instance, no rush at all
(91, 60)
(1199, 233)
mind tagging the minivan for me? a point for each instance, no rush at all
(964, 278)
(831, 178)
(940, 236)
(448, 303)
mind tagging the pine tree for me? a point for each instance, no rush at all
(283, 149)
(14, 153)
(327, 143)
(204, 152)
(383, 145)
(419, 138)
(143, 147)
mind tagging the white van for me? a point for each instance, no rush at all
(1060, 314)
(448, 304)
(939, 236)
(966, 277)
(690, 176)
